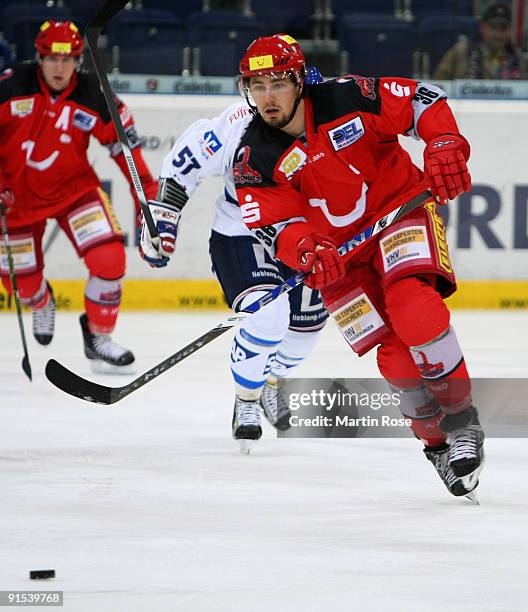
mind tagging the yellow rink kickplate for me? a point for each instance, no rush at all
(206, 294)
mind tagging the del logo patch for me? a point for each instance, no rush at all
(22, 108)
(347, 133)
(83, 120)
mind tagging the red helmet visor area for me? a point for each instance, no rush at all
(244, 84)
(59, 38)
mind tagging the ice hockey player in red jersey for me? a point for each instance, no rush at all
(320, 163)
(49, 109)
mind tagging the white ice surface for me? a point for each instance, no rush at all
(147, 504)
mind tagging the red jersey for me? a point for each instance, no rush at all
(44, 141)
(347, 170)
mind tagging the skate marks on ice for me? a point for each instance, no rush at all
(192, 524)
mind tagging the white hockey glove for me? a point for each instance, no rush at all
(166, 218)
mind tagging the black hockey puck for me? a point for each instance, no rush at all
(41, 574)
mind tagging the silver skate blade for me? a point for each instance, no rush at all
(98, 366)
(245, 446)
(473, 498)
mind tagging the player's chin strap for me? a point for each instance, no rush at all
(312, 77)
(299, 79)
(295, 106)
(244, 92)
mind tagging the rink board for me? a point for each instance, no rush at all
(141, 294)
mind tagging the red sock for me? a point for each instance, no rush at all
(416, 402)
(102, 296)
(102, 299)
(421, 320)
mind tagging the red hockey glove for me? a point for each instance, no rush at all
(7, 197)
(445, 166)
(317, 255)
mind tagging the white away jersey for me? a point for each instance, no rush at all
(206, 148)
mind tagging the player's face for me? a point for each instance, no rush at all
(58, 70)
(274, 97)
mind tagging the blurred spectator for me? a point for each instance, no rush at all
(490, 56)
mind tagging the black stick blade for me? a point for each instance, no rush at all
(71, 383)
(27, 367)
(106, 11)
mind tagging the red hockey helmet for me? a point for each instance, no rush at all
(59, 38)
(269, 54)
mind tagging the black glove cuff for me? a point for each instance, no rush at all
(171, 193)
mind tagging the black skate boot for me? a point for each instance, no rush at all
(274, 405)
(44, 321)
(246, 423)
(466, 441)
(439, 457)
(105, 355)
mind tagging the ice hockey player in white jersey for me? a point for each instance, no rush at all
(273, 341)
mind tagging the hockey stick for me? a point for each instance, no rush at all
(51, 238)
(71, 383)
(109, 9)
(26, 366)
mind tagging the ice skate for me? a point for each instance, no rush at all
(439, 457)
(106, 356)
(274, 405)
(246, 423)
(466, 442)
(44, 321)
